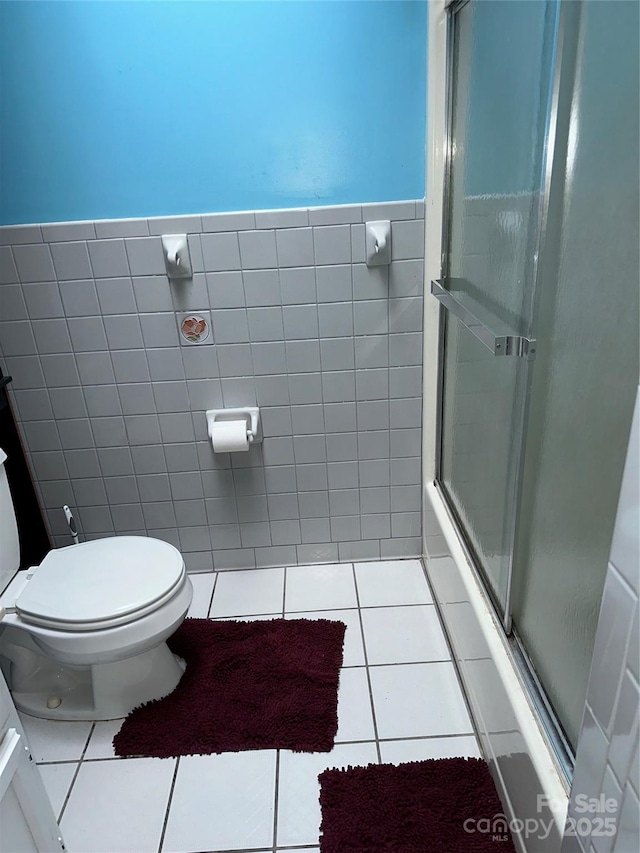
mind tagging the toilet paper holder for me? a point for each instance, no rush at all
(251, 414)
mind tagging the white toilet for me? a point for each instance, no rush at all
(82, 635)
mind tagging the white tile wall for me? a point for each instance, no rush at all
(607, 757)
(111, 408)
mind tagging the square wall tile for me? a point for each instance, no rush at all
(220, 251)
(295, 247)
(8, 271)
(332, 244)
(116, 296)
(298, 285)
(108, 258)
(257, 249)
(71, 260)
(614, 623)
(145, 255)
(79, 298)
(87, 334)
(261, 287)
(407, 239)
(43, 300)
(12, 304)
(34, 262)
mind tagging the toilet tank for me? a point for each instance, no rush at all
(9, 542)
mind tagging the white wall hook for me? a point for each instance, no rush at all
(378, 243)
(176, 255)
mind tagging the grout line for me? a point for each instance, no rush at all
(325, 609)
(275, 801)
(115, 758)
(400, 663)
(213, 589)
(301, 847)
(75, 775)
(366, 660)
(166, 814)
(284, 592)
(451, 736)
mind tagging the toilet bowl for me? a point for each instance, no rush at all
(83, 634)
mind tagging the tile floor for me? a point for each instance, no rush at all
(399, 700)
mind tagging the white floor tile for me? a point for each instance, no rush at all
(355, 719)
(400, 751)
(226, 802)
(392, 582)
(57, 780)
(323, 587)
(53, 740)
(101, 740)
(247, 592)
(418, 700)
(222, 802)
(118, 806)
(353, 653)
(202, 590)
(298, 788)
(403, 634)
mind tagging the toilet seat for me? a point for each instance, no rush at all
(101, 584)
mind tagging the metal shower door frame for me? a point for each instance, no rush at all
(553, 152)
(521, 346)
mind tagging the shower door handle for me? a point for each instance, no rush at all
(516, 345)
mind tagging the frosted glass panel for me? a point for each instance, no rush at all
(479, 418)
(503, 55)
(586, 371)
(503, 61)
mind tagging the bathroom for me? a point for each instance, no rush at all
(446, 455)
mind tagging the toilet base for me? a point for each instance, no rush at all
(103, 691)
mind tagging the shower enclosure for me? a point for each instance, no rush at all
(539, 320)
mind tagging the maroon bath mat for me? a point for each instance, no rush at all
(248, 685)
(423, 806)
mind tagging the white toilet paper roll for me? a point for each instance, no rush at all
(229, 436)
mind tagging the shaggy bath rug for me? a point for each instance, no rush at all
(248, 685)
(435, 806)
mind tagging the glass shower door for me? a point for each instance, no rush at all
(539, 339)
(586, 370)
(502, 56)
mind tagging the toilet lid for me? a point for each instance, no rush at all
(101, 581)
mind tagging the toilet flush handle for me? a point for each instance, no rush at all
(71, 524)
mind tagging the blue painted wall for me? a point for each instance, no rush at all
(113, 109)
